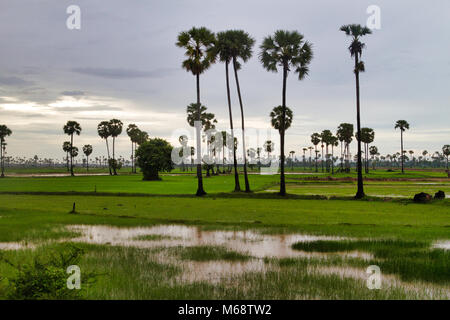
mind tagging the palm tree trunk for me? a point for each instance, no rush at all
(200, 190)
(315, 147)
(109, 162)
(360, 192)
(114, 156)
(71, 156)
(401, 143)
(67, 161)
(282, 131)
(1, 158)
(237, 186)
(87, 163)
(247, 184)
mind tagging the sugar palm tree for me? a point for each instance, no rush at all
(103, 130)
(198, 43)
(222, 49)
(268, 147)
(133, 133)
(4, 132)
(288, 50)
(87, 150)
(403, 125)
(367, 137)
(315, 139)
(115, 128)
(241, 49)
(446, 152)
(356, 47)
(71, 128)
(66, 149)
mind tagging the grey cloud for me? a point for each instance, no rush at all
(14, 81)
(74, 93)
(87, 108)
(116, 73)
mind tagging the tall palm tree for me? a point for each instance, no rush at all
(403, 125)
(241, 49)
(289, 50)
(104, 131)
(87, 150)
(4, 132)
(71, 128)
(222, 49)
(356, 32)
(198, 43)
(66, 149)
(115, 128)
(315, 139)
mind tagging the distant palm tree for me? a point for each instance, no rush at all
(268, 147)
(345, 134)
(315, 139)
(355, 48)
(133, 133)
(446, 152)
(115, 128)
(198, 43)
(291, 154)
(66, 148)
(367, 137)
(71, 128)
(87, 150)
(104, 131)
(289, 50)
(4, 132)
(402, 125)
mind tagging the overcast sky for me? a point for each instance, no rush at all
(124, 64)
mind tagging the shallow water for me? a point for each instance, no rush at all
(444, 244)
(249, 242)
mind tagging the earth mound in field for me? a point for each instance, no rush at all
(422, 197)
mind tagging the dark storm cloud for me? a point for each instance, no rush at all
(114, 73)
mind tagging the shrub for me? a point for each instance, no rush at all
(153, 157)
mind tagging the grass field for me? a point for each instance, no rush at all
(160, 242)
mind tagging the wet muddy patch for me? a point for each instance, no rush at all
(248, 242)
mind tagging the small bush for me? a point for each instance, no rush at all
(45, 277)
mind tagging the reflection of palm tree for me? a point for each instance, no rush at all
(198, 43)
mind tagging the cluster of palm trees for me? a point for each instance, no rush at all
(343, 137)
(285, 50)
(105, 129)
(137, 137)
